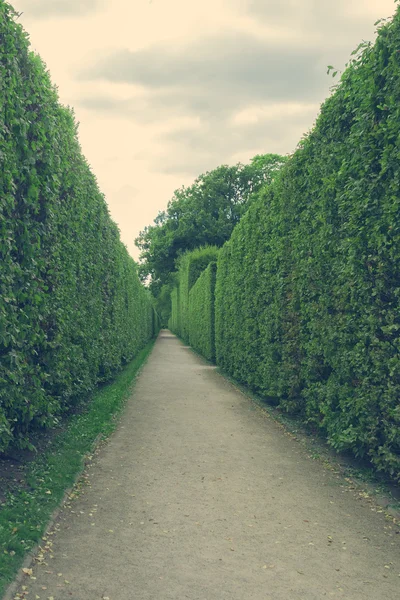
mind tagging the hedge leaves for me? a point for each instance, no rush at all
(201, 313)
(72, 310)
(190, 266)
(308, 287)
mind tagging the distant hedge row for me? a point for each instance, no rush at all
(72, 310)
(174, 321)
(190, 266)
(201, 313)
(308, 287)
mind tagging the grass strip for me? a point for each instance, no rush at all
(26, 512)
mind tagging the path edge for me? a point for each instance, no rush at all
(12, 588)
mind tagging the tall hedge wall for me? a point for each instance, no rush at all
(190, 266)
(72, 310)
(308, 287)
(201, 313)
(173, 323)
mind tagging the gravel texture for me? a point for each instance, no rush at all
(200, 495)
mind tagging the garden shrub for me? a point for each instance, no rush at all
(308, 286)
(201, 313)
(190, 266)
(72, 309)
(174, 320)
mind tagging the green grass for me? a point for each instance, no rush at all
(27, 511)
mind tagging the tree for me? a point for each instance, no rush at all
(204, 213)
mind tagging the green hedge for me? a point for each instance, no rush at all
(308, 287)
(72, 310)
(190, 266)
(173, 323)
(201, 313)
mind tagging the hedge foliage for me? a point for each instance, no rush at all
(174, 323)
(201, 313)
(201, 214)
(72, 310)
(190, 266)
(308, 287)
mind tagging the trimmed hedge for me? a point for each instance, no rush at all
(201, 313)
(72, 310)
(308, 287)
(173, 323)
(190, 266)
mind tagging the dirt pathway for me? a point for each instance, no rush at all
(199, 495)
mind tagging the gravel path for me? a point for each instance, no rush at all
(200, 495)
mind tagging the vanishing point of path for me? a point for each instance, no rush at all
(200, 495)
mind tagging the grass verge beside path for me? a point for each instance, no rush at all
(27, 510)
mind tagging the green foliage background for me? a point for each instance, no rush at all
(308, 287)
(204, 213)
(201, 313)
(72, 309)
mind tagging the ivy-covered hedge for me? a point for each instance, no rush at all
(308, 287)
(190, 266)
(201, 313)
(72, 310)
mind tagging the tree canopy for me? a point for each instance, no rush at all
(204, 213)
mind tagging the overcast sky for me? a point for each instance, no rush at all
(167, 89)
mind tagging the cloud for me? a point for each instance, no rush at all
(227, 70)
(42, 9)
(213, 81)
(248, 90)
(318, 17)
(186, 147)
(102, 103)
(258, 129)
(230, 86)
(190, 145)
